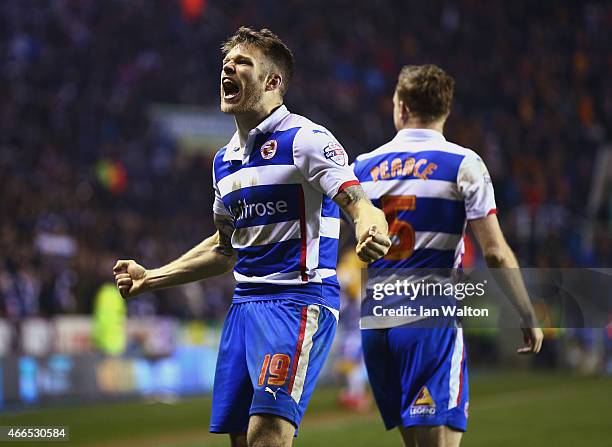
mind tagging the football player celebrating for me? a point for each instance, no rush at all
(279, 185)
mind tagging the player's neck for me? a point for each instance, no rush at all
(438, 126)
(245, 122)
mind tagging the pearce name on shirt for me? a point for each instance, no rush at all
(403, 167)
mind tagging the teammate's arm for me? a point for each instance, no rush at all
(211, 257)
(498, 255)
(371, 230)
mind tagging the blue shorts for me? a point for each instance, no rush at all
(270, 356)
(418, 375)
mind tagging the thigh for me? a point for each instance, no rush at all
(232, 389)
(266, 430)
(286, 346)
(238, 439)
(431, 436)
(383, 374)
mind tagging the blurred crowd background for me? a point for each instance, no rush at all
(86, 178)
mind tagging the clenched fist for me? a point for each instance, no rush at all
(129, 277)
(372, 245)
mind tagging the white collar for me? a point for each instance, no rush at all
(273, 119)
(232, 150)
(420, 134)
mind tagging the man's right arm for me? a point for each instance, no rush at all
(211, 257)
(499, 256)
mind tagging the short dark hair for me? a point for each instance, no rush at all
(427, 91)
(270, 44)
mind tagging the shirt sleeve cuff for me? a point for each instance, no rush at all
(345, 185)
(480, 215)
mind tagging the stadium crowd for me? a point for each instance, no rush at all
(86, 179)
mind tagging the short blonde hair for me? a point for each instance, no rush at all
(427, 91)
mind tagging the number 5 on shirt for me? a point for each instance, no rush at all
(401, 232)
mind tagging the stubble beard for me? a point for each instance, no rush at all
(252, 96)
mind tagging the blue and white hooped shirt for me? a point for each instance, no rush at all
(428, 189)
(278, 191)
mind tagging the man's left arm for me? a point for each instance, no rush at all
(371, 230)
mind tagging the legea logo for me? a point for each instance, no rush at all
(245, 210)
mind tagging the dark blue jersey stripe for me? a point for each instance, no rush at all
(328, 253)
(397, 166)
(435, 215)
(262, 205)
(262, 260)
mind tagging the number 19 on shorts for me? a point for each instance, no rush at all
(275, 369)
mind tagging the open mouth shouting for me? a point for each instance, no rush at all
(230, 90)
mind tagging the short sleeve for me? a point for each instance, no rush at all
(476, 188)
(322, 161)
(218, 205)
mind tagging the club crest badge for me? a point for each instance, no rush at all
(335, 152)
(268, 149)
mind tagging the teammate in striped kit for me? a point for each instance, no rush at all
(278, 185)
(429, 189)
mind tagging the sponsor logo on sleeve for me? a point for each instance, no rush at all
(335, 152)
(485, 172)
(268, 149)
